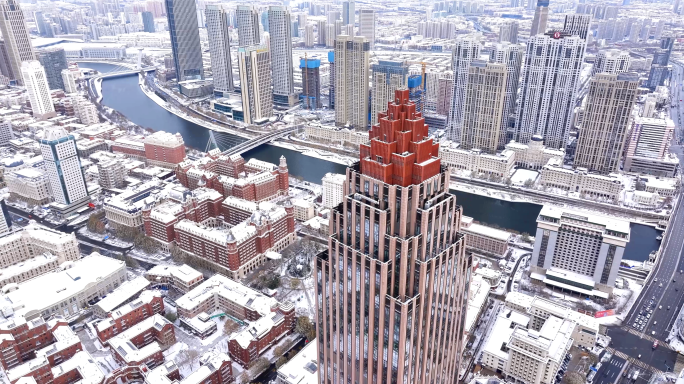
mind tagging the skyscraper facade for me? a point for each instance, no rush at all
(510, 55)
(611, 61)
(388, 76)
(352, 55)
(255, 83)
(321, 27)
(348, 13)
(218, 33)
(484, 107)
(54, 61)
(367, 25)
(16, 36)
(35, 81)
(148, 22)
(281, 55)
(247, 17)
(548, 90)
(508, 32)
(541, 17)
(466, 49)
(604, 128)
(63, 166)
(392, 287)
(331, 80)
(185, 40)
(577, 24)
(311, 82)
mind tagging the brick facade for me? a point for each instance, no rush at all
(117, 322)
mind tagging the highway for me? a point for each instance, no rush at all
(610, 371)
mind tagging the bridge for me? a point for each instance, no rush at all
(244, 146)
(120, 70)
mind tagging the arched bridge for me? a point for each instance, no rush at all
(252, 143)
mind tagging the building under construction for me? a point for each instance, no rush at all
(311, 82)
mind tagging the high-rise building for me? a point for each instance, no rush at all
(330, 36)
(69, 81)
(111, 173)
(445, 92)
(333, 189)
(334, 16)
(6, 132)
(5, 219)
(63, 166)
(255, 83)
(218, 33)
(35, 81)
(466, 49)
(54, 61)
(40, 23)
(676, 7)
(577, 24)
(388, 76)
(16, 36)
(311, 82)
(508, 32)
(412, 297)
(352, 55)
(367, 25)
(604, 128)
(611, 61)
(281, 55)
(321, 28)
(331, 80)
(148, 22)
(510, 55)
(247, 17)
(483, 107)
(185, 40)
(541, 17)
(648, 148)
(348, 13)
(549, 88)
(309, 38)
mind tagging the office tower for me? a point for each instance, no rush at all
(311, 82)
(333, 16)
(40, 23)
(348, 13)
(659, 29)
(466, 49)
(16, 37)
(5, 219)
(604, 128)
(511, 55)
(431, 90)
(281, 55)
(348, 30)
(577, 24)
(387, 77)
(148, 22)
(218, 33)
(634, 32)
(541, 16)
(549, 88)
(338, 28)
(35, 81)
(5, 65)
(63, 166)
(255, 83)
(69, 81)
(648, 148)
(666, 45)
(302, 18)
(309, 38)
(330, 36)
(584, 248)
(508, 32)
(247, 18)
(611, 12)
(445, 92)
(321, 27)
(264, 21)
(657, 76)
(484, 107)
(156, 7)
(405, 301)
(54, 61)
(531, 4)
(645, 29)
(185, 40)
(331, 80)
(367, 25)
(611, 61)
(352, 55)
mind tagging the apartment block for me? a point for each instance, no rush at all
(501, 164)
(164, 149)
(184, 278)
(484, 107)
(581, 180)
(124, 294)
(483, 239)
(141, 344)
(119, 320)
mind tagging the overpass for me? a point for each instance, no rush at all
(254, 142)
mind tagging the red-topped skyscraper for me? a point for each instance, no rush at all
(392, 287)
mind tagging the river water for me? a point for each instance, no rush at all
(124, 95)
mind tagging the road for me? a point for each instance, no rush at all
(610, 371)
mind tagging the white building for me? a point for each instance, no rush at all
(335, 135)
(578, 252)
(303, 209)
(63, 166)
(367, 25)
(302, 368)
(466, 50)
(69, 78)
(218, 34)
(125, 293)
(29, 185)
(352, 55)
(247, 18)
(611, 61)
(16, 38)
(588, 185)
(255, 83)
(333, 189)
(85, 111)
(111, 173)
(499, 165)
(534, 155)
(548, 90)
(648, 148)
(280, 40)
(35, 80)
(182, 277)
(125, 209)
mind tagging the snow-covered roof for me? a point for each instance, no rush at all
(127, 350)
(301, 369)
(87, 367)
(145, 298)
(483, 230)
(184, 272)
(123, 293)
(610, 223)
(257, 329)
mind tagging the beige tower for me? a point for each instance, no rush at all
(352, 56)
(606, 118)
(16, 36)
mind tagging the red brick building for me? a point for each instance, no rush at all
(215, 368)
(131, 146)
(147, 305)
(164, 149)
(19, 339)
(140, 344)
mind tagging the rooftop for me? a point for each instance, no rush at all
(184, 272)
(123, 293)
(301, 369)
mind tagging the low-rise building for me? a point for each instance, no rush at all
(333, 189)
(646, 199)
(164, 149)
(477, 302)
(131, 146)
(28, 269)
(499, 165)
(20, 339)
(125, 293)
(119, 320)
(303, 209)
(664, 187)
(86, 147)
(215, 367)
(126, 209)
(111, 173)
(330, 134)
(302, 368)
(608, 187)
(483, 239)
(29, 185)
(183, 277)
(534, 155)
(140, 344)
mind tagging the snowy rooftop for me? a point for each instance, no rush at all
(262, 165)
(502, 331)
(487, 273)
(87, 368)
(127, 350)
(184, 272)
(518, 298)
(609, 223)
(166, 212)
(123, 293)
(301, 369)
(257, 329)
(522, 175)
(478, 294)
(490, 232)
(145, 298)
(27, 265)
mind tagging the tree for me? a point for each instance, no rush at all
(230, 326)
(305, 328)
(508, 181)
(528, 183)
(281, 361)
(525, 237)
(273, 282)
(95, 222)
(259, 365)
(193, 356)
(294, 283)
(170, 316)
(573, 378)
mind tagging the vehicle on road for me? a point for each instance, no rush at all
(655, 344)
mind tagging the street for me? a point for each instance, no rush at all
(610, 371)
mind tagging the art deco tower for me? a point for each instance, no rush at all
(392, 287)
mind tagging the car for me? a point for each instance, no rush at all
(661, 307)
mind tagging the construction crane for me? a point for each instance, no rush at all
(423, 64)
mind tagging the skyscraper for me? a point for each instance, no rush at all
(508, 32)
(510, 55)
(388, 76)
(35, 81)
(484, 107)
(676, 7)
(611, 61)
(218, 33)
(392, 287)
(247, 18)
(367, 25)
(352, 55)
(604, 128)
(5, 219)
(321, 27)
(330, 35)
(255, 83)
(281, 55)
(577, 24)
(40, 23)
(148, 22)
(331, 80)
(63, 166)
(54, 61)
(185, 40)
(466, 49)
(541, 16)
(69, 81)
(348, 13)
(16, 36)
(311, 82)
(548, 91)
(309, 38)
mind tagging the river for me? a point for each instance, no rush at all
(124, 95)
